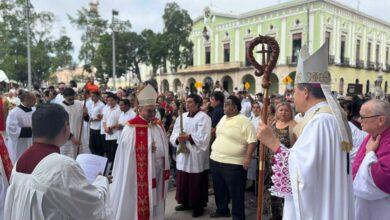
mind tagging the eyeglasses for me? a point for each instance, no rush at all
(366, 117)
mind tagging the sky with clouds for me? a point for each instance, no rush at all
(148, 13)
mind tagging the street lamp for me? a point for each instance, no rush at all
(28, 7)
(114, 29)
(130, 72)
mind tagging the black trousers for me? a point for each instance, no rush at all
(96, 142)
(111, 146)
(229, 184)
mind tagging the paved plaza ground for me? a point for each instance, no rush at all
(171, 214)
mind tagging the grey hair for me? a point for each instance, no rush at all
(380, 107)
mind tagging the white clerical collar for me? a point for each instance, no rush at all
(315, 107)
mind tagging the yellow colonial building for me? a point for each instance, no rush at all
(359, 46)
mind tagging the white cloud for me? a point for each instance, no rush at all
(148, 13)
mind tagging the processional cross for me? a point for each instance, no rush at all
(265, 70)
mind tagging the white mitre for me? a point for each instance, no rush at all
(314, 70)
(147, 96)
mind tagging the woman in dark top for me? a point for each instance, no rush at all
(283, 128)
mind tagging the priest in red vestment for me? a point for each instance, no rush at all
(141, 167)
(5, 160)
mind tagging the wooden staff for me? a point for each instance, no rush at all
(182, 145)
(270, 54)
(82, 122)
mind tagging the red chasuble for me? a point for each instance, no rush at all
(7, 164)
(141, 151)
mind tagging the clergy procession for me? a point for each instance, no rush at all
(257, 110)
(313, 155)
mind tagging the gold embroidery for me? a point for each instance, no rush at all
(301, 125)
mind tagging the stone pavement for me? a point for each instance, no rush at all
(171, 214)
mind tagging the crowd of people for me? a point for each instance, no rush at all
(322, 161)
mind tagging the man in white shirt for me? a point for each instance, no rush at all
(104, 112)
(246, 107)
(126, 115)
(59, 98)
(110, 122)
(95, 140)
(47, 185)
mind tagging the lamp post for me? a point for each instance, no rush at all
(28, 6)
(114, 29)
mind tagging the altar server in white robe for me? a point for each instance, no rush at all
(18, 126)
(192, 167)
(371, 168)
(47, 185)
(317, 167)
(141, 166)
(76, 111)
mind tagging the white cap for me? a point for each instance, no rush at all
(147, 96)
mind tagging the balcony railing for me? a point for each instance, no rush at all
(331, 60)
(292, 61)
(359, 64)
(208, 68)
(370, 65)
(344, 62)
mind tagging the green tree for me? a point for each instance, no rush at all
(156, 49)
(41, 64)
(177, 28)
(130, 52)
(93, 27)
(13, 50)
(62, 51)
